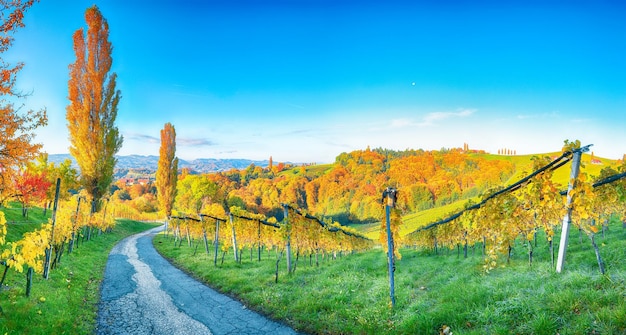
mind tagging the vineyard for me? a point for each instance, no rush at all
(497, 225)
(531, 204)
(350, 294)
(67, 301)
(495, 220)
(446, 241)
(300, 232)
(496, 228)
(37, 245)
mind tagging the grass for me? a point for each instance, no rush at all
(350, 295)
(66, 303)
(413, 221)
(18, 225)
(311, 171)
(13, 214)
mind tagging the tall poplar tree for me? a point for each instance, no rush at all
(92, 110)
(167, 170)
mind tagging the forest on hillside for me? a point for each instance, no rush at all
(349, 190)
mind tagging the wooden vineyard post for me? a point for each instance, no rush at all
(288, 246)
(48, 257)
(567, 219)
(204, 237)
(29, 280)
(259, 222)
(217, 240)
(389, 197)
(232, 226)
(73, 240)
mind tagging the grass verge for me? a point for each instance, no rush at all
(350, 295)
(66, 303)
(18, 224)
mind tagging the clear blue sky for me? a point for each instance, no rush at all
(304, 80)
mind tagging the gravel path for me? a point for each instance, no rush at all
(142, 293)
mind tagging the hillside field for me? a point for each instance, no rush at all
(350, 295)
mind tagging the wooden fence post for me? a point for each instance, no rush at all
(288, 246)
(232, 226)
(217, 240)
(48, 257)
(567, 219)
(73, 240)
(389, 198)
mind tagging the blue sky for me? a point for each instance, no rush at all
(303, 80)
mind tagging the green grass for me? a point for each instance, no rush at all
(13, 214)
(413, 221)
(18, 225)
(350, 295)
(66, 303)
(311, 171)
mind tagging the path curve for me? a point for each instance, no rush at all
(142, 293)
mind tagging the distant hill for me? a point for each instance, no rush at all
(148, 164)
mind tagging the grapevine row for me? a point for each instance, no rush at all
(240, 229)
(42, 249)
(534, 203)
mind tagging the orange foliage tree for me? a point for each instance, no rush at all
(30, 187)
(65, 171)
(16, 129)
(93, 104)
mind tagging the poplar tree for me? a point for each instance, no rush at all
(167, 170)
(92, 111)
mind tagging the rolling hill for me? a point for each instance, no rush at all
(148, 164)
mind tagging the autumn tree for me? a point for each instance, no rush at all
(64, 171)
(29, 188)
(136, 190)
(195, 192)
(93, 104)
(167, 170)
(16, 129)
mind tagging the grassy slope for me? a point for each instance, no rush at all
(413, 221)
(311, 170)
(66, 303)
(350, 295)
(19, 225)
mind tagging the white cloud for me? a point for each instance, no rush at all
(437, 116)
(401, 123)
(553, 114)
(195, 142)
(141, 138)
(430, 118)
